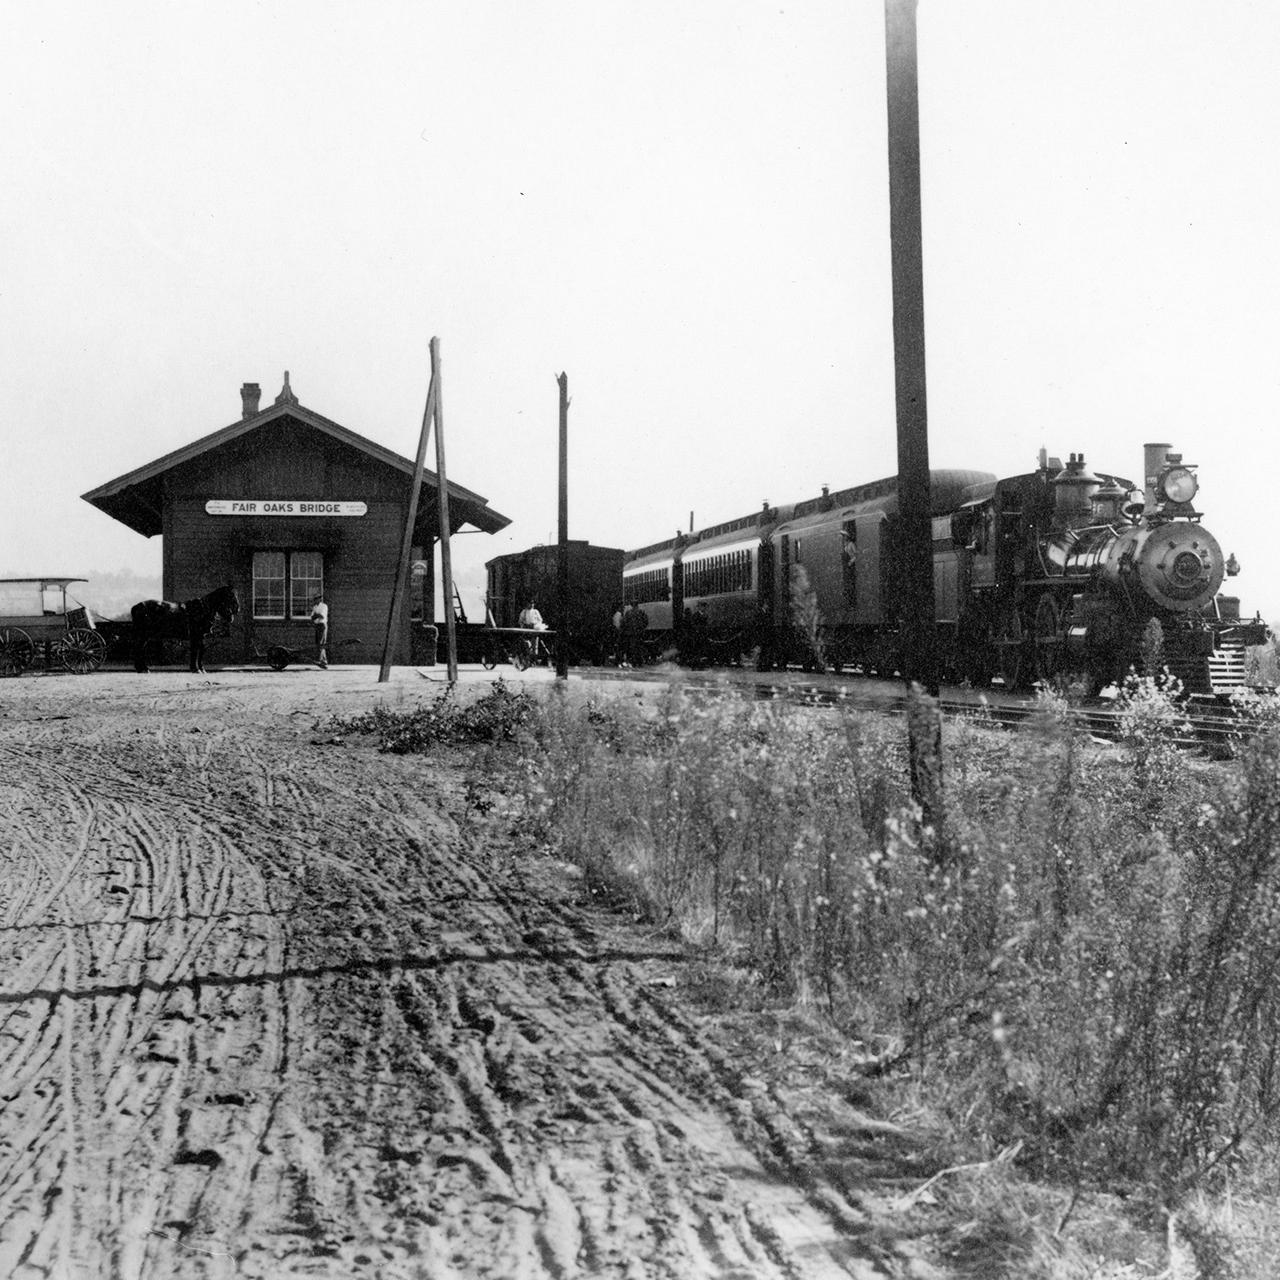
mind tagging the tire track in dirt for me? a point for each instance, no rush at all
(174, 888)
(511, 1129)
(288, 1009)
(500, 1206)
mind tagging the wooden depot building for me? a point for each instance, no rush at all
(286, 505)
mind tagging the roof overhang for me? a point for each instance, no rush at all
(136, 498)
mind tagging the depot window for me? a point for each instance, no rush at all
(292, 578)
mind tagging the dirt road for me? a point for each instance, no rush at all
(275, 1005)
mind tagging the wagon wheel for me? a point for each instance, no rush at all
(82, 650)
(1047, 638)
(278, 657)
(17, 652)
(1009, 643)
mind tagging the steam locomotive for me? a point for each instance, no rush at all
(1058, 572)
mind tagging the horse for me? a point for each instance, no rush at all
(192, 621)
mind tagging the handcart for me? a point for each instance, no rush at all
(520, 646)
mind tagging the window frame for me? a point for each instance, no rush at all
(291, 609)
(300, 607)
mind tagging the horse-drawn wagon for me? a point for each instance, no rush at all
(36, 623)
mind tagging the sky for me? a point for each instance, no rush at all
(681, 204)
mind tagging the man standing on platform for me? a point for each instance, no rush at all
(320, 622)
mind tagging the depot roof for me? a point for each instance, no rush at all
(137, 498)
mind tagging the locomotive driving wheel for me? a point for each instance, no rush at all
(1046, 649)
(1010, 642)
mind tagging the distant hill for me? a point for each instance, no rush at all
(112, 595)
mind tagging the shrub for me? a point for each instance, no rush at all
(1152, 721)
(806, 616)
(496, 716)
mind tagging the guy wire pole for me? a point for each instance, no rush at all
(406, 545)
(562, 556)
(915, 523)
(446, 560)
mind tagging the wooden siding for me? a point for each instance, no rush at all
(203, 551)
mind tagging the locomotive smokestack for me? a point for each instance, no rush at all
(1153, 456)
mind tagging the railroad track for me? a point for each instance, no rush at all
(1216, 728)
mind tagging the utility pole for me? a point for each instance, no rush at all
(915, 567)
(406, 544)
(914, 552)
(562, 556)
(446, 558)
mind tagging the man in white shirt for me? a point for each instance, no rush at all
(530, 617)
(320, 622)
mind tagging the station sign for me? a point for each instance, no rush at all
(282, 507)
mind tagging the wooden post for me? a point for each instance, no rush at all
(446, 561)
(915, 570)
(914, 559)
(562, 558)
(406, 544)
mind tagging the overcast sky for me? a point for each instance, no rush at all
(682, 205)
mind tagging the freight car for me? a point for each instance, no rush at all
(595, 592)
(1058, 572)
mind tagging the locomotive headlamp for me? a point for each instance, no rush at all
(1178, 484)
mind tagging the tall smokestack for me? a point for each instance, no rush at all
(1153, 456)
(250, 394)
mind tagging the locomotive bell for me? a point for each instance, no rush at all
(1073, 490)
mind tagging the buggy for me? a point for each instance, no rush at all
(35, 620)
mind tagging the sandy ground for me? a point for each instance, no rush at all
(273, 1004)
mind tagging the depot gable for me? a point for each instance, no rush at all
(285, 450)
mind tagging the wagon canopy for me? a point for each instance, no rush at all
(32, 597)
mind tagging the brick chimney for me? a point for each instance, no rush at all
(250, 394)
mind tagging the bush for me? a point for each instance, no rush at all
(1092, 970)
(497, 716)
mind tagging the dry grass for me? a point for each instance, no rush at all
(1080, 965)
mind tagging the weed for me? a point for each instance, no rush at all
(498, 715)
(1091, 972)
